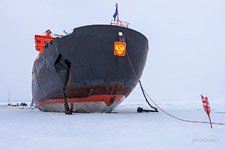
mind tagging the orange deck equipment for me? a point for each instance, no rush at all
(41, 40)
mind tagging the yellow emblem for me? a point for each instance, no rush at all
(119, 48)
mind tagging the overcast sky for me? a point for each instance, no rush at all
(186, 40)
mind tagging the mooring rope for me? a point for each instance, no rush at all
(145, 93)
(139, 81)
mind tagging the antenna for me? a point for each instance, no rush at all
(9, 97)
(65, 32)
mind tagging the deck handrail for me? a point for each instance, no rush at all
(119, 23)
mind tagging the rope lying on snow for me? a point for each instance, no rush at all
(185, 120)
(155, 109)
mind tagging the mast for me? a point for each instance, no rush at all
(116, 21)
(117, 12)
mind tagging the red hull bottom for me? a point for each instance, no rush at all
(96, 103)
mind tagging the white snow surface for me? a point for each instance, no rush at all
(24, 128)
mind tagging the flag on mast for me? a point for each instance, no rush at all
(116, 12)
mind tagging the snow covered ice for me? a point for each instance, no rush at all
(31, 129)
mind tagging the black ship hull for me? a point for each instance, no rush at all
(83, 63)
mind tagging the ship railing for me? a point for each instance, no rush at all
(119, 23)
